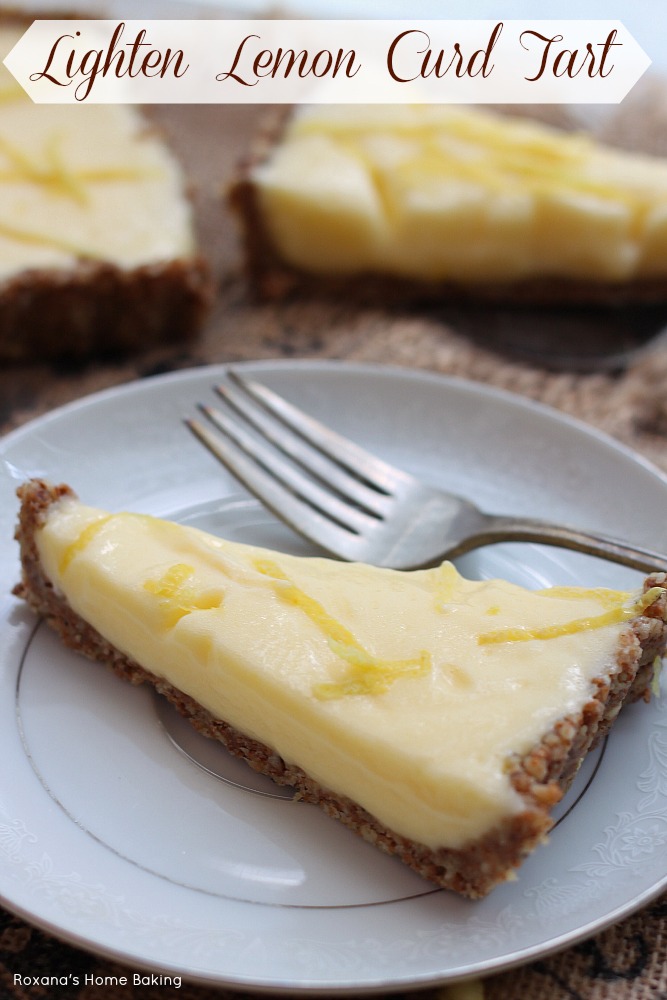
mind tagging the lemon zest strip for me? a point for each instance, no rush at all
(368, 674)
(613, 616)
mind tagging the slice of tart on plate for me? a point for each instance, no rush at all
(438, 717)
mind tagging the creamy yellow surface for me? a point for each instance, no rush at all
(437, 192)
(405, 691)
(86, 182)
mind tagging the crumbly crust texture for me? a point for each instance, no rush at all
(273, 278)
(101, 308)
(540, 777)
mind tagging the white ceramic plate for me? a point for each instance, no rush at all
(125, 834)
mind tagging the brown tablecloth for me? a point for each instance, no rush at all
(626, 962)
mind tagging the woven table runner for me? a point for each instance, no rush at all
(582, 376)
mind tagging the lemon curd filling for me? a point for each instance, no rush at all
(439, 192)
(407, 692)
(84, 183)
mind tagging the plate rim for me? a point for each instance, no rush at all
(511, 397)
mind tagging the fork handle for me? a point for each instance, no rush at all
(504, 529)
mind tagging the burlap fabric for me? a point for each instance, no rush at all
(626, 962)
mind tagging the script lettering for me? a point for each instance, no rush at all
(129, 59)
(571, 62)
(285, 63)
(478, 63)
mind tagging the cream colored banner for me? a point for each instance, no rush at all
(317, 61)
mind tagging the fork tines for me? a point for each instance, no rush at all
(303, 471)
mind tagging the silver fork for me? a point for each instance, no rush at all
(356, 506)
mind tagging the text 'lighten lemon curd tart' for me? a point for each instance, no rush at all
(441, 199)
(438, 717)
(97, 243)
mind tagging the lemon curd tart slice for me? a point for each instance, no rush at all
(438, 717)
(435, 201)
(98, 249)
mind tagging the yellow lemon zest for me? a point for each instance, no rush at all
(445, 581)
(612, 616)
(41, 239)
(177, 598)
(49, 170)
(81, 542)
(492, 151)
(368, 674)
(605, 596)
(292, 594)
(647, 599)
